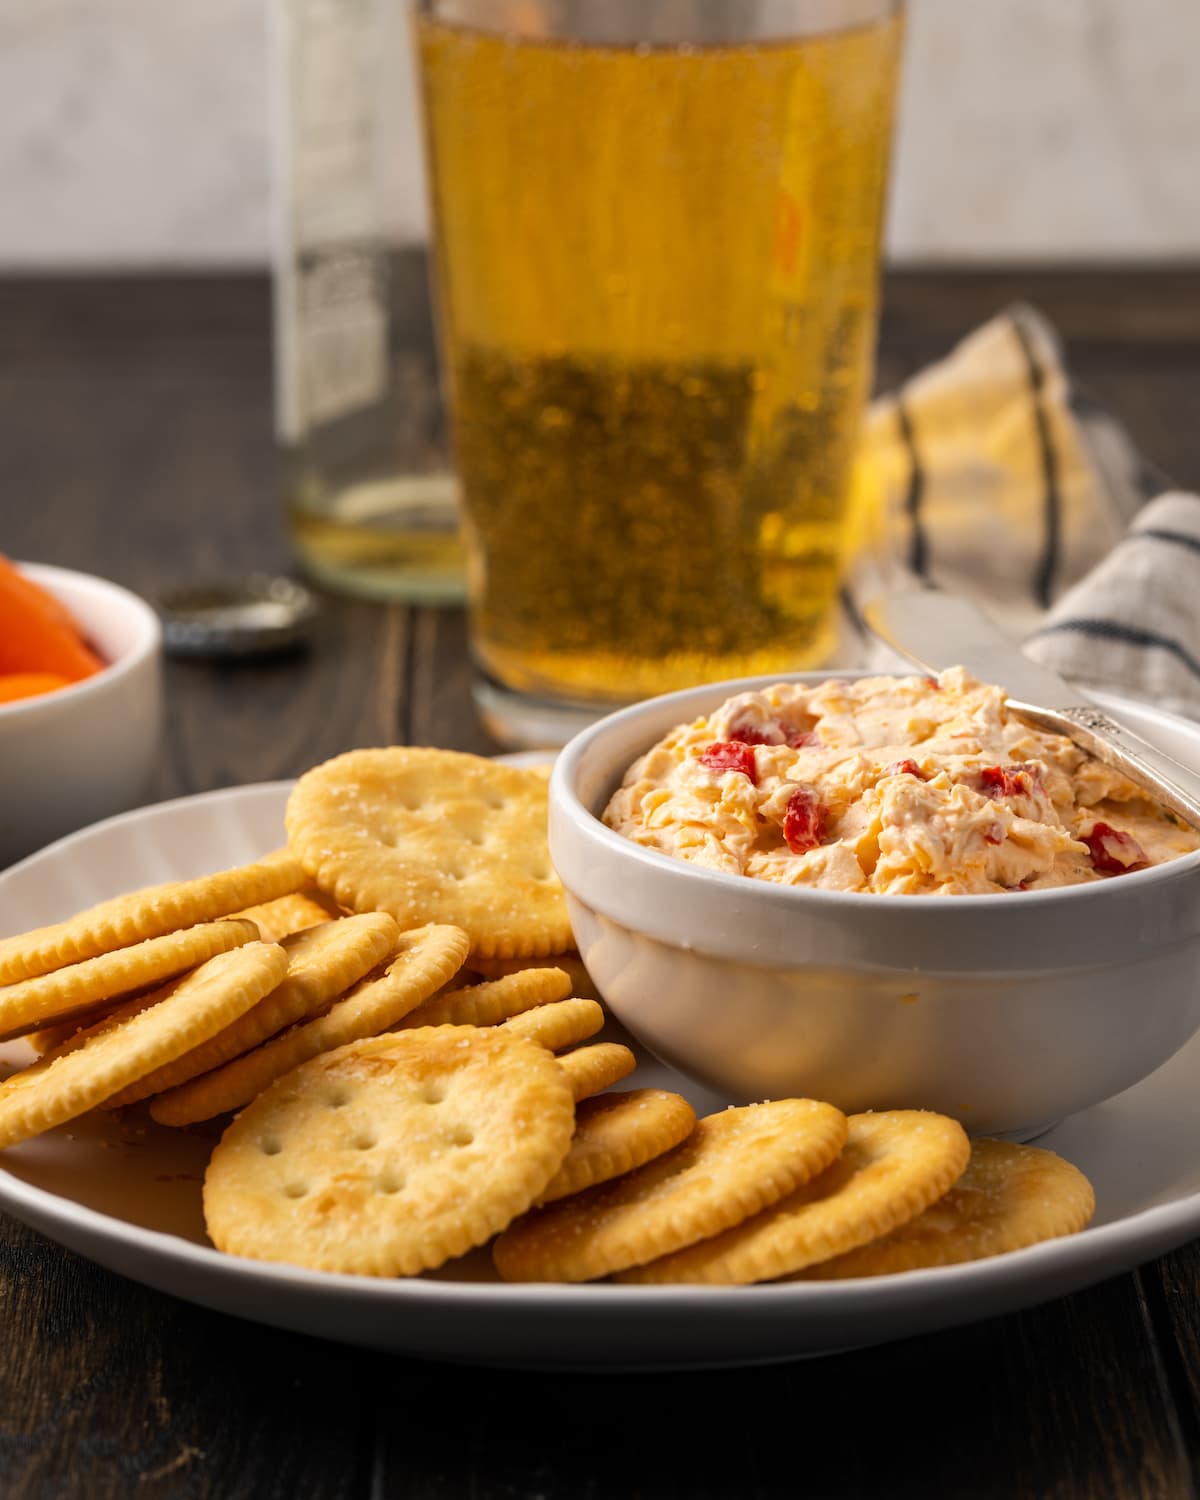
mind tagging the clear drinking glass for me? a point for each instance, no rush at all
(657, 245)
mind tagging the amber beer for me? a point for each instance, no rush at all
(657, 268)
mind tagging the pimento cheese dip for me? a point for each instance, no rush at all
(899, 785)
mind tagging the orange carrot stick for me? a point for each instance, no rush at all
(34, 635)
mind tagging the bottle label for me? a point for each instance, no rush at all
(331, 296)
(341, 333)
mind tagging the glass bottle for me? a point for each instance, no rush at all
(368, 491)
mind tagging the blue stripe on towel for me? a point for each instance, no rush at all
(1158, 534)
(1126, 635)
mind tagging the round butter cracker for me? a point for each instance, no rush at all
(99, 1061)
(591, 1069)
(731, 1166)
(151, 912)
(615, 1133)
(29, 1004)
(434, 836)
(392, 1155)
(1008, 1198)
(323, 962)
(893, 1165)
(492, 1001)
(560, 1024)
(287, 915)
(570, 962)
(421, 962)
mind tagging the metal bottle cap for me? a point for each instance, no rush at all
(245, 617)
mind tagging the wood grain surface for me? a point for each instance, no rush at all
(135, 437)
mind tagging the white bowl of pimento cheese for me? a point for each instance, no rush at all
(884, 892)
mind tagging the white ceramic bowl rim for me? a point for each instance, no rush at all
(984, 920)
(147, 635)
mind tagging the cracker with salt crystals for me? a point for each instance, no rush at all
(434, 836)
(150, 912)
(895, 1163)
(615, 1133)
(323, 962)
(286, 915)
(493, 1001)
(570, 962)
(30, 1004)
(732, 1165)
(591, 1069)
(558, 1025)
(101, 1060)
(392, 1155)
(46, 1038)
(421, 962)
(1008, 1198)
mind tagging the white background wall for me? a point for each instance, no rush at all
(135, 132)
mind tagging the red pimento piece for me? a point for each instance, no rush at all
(750, 734)
(994, 833)
(996, 782)
(728, 755)
(1107, 846)
(804, 821)
(746, 734)
(905, 768)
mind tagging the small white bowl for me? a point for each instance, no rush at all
(78, 754)
(1006, 1011)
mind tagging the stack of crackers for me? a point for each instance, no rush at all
(391, 1010)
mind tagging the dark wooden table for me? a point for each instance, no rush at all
(135, 442)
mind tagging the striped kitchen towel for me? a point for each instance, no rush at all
(990, 476)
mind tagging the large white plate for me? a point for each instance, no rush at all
(127, 1194)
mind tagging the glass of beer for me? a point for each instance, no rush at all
(657, 229)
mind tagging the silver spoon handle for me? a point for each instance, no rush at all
(1093, 730)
